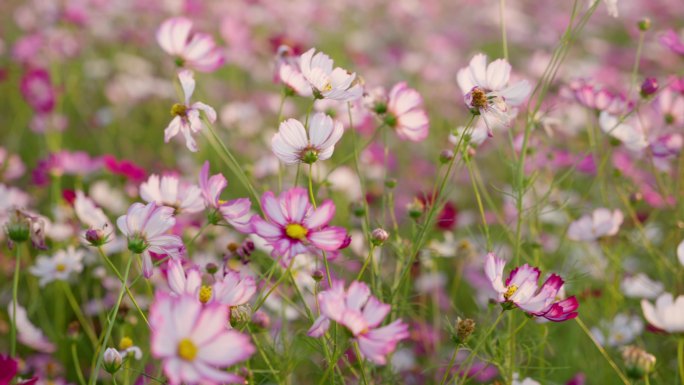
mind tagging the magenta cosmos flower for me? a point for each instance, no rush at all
(362, 314)
(292, 145)
(186, 116)
(192, 50)
(521, 289)
(145, 226)
(405, 113)
(194, 342)
(236, 212)
(292, 226)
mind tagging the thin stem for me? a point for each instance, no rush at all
(79, 314)
(680, 358)
(365, 263)
(77, 367)
(126, 287)
(502, 17)
(480, 343)
(451, 364)
(15, 289)
(603, 352)
(261, 301)
(111, 320)
(312, 197)
(362, 362)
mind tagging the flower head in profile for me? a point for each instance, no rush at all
(168, 190)
(292, 144)
(362, 314)
(186, 116)
(92, 216)
(292, 226)
(666, 315)
(58, 267)
(601, 223)
(27, 333)
(194, 342)
(403, 111)
(236, 212)
(146, 227)
(521, 289)
(487, 92)
(190, 50)
(288, 73)
(326, 82)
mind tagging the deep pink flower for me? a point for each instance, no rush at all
(236, 212)
(406, 114)
(362, 314)
(521, 289)
(292, 226)
(194, 342)
(191, 50)
(671, 40)
(37, 89)
(123, 167)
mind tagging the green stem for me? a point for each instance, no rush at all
(15, 289)
(79, 314)
(110, 323)
(680, 359)
(480, 343)
(77, 367)
(451, 365)
(126, 287)
(362, 362)
(603, 352)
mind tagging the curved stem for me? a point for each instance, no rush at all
(603, 352)
(362, 362)
(451, 365)
(79, 314)
(126, 287)
(15, 290)
(473, 353)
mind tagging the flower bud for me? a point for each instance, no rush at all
(317, 275)
(639, 363)
(390, 183)
(18, 229)
(644, 24)
(212, 268)
(649, 87)
(358, 210)
(112, 360)
(446, 156)
(464, 328)
(379, 236)
(415, 209)
(240, 315)
(95, 237)
(261, 320)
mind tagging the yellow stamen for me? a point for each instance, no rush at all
(205, 294)
(296, 231)
(510, 291)
(60, 267)
(327, 87)
(178, 110)
(187, 349)
(479, 98)
(125, 343)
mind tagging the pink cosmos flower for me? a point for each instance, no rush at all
(37, 89)
(601, 223)
(326, 82)
(486, 90)
(11, 166)
(229, 288)
(192, 50)
(186, 116)
(287, 72)
(193, 341)
(9, 369)
(168, 190)
(124, 167)
(27, 333)
(667, 313)
(362, 314)
(521, 289)
(671, 40)
(405, 113)
(292, 226)
(146, 227)
(293, 145)
(236, 212)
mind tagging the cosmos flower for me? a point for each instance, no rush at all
(146, 227)
(90, 215)
(27, 333)
(673, 41)
(292, 226)
(667, 313)
(362, 314)
(58, 267)
(292, 145)
(168, 190)
(186, 116)
(38, 91)
(236, 212)
(287, 72)
(629, 132)
(641, 286)
(601, 223)
(406, 114)
(191, 50)
(622, 330)
(487, 92)
(326, 82)
(521, 289)
(193, 341)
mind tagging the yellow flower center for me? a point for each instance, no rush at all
(510, 291)
(205, 294)
(479, 98)
(327, 87)
(221, 201)
(187, 349)
(60, 267)
(296, 231)
(178, 110)
(125, 343)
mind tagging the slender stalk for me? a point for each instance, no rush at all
(603, 352)
(451, 364)
(480, 343)
(362, 362)
(365, 263)
(126, 287)
(15, 289)
(261, 301)
(110, 323)
(77, 367)
(79, 314)
(502, 17)
(680, 359)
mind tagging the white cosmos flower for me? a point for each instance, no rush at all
(326, 82)
(629, 133)
(666, 314)
(292, 145)
(621, 331)
(680, 252)
(169, 191)
(486, 90)
(59, 266)
(90, 215)
(641, 286)
(294, 80)
(601, 223)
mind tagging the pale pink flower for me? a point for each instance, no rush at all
(487, 92)
(673, 41)
(667, 313)
(168, 190)
(229, 288)
(601, 223)
(326, 82)
(236, 212)
(521, 289)
(186, 116)
(192, 50)
(27, 333)
(146, 226)
(292, 144)
(90, 215)
(292, 226)
(406, 114)
(361, 313)
(288, 73)
(194, 342)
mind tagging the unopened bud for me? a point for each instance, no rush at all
(638, 362)
(19, 228)
(358, 210)
(464, 328)
(317, 275)
(96, 237)
(446, 156)
(415, 209)
(211, 268)
(379, 236)
(644, 24)
(649, 87)
(112, 360)
(390, 183)
(261, 320)
(240, 315)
